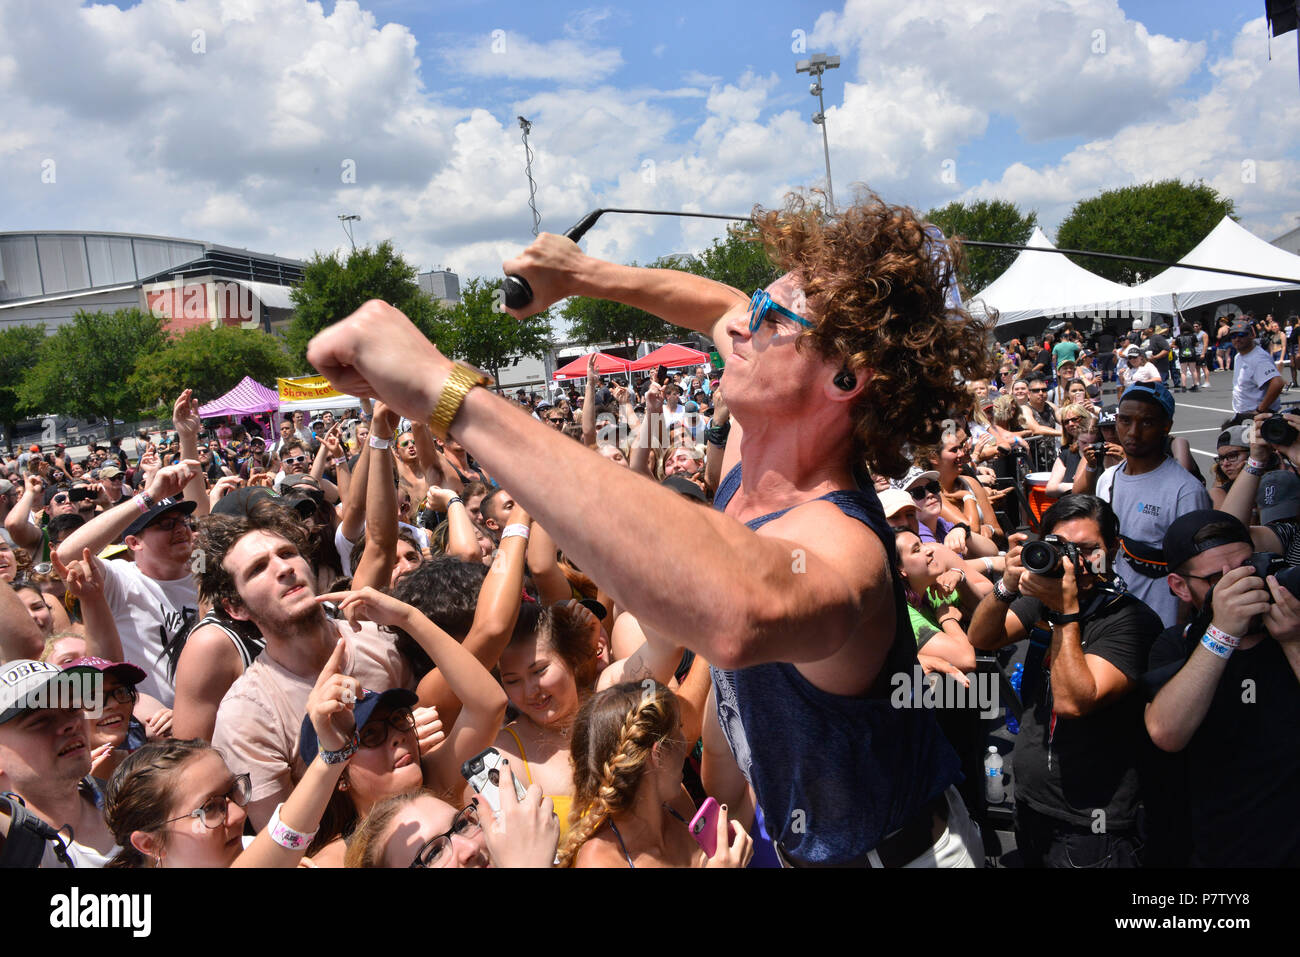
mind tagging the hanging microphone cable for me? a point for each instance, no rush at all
(519, 294)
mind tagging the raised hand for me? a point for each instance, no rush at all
(428, 729)
(329, 706)
(185, 414)
(369, 604)
(549, 265)
(172, 479)
(84, 579)
(377, 352)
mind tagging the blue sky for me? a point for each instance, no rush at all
(673, 105)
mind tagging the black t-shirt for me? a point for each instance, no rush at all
(1105, 342)
(1044, 360)
(1187, 346)
(1242, 766)
(1084, 764)
(1158, 344)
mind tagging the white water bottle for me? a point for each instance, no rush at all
(994, 792)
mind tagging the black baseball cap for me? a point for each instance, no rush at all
(684, 486)
(1199, 531)
(160, 508)
(393, 698)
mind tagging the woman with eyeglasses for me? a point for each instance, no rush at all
(1230, 458)
(176, 803)
(1074, 419)
(110, 732)
(391, 758)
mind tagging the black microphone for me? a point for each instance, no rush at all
(517, 291)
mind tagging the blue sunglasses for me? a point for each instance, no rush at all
(759, 305)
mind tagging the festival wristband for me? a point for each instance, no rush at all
(143, 502)
(377, 443)
(1215, 647)
(1222, 637)
(286, 836)
(454, 500)
(513, 531)
(1004, 594)
(349, 749)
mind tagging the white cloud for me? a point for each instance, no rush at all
(1240, 137)
(1059, 69)
(244, 144)
(503, 54)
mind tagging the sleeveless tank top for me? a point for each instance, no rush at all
(834, 775)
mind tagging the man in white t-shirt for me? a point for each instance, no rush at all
(254, 569)
(1147, 491)
(153, 598)
(1256, 383)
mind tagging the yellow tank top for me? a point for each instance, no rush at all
(562, 802)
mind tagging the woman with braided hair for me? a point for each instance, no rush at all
(629, 805)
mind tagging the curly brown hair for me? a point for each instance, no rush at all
(219, 533)
(876, 278)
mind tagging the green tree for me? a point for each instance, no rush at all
(209, 361)
(20, 348)
(476, 330)
(1161, 220)
(333, 289)
(996, 221)
(84, 369)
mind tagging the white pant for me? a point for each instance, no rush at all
(960, 845)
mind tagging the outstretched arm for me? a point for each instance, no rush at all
(747, 606)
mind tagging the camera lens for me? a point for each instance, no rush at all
(1041, 558)
(1276, 431)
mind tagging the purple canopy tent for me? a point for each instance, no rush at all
(244, 399)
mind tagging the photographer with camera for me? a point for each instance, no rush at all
(1257, 483)
(1228, 699)
(1148, 490)
(1076, 756)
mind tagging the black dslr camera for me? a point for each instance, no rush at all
(1275, 430)
(1046, 557)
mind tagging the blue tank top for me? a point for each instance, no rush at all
(834, 775)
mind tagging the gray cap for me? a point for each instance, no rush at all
(1278, 496)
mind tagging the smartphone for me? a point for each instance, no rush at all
(80, 494)
(704, 826)
(483, 772)
(661, 374)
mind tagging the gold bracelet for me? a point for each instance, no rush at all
(462, 378)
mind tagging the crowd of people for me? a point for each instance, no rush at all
(662, 621)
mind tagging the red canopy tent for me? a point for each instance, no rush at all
(670, 356)
(577, 369)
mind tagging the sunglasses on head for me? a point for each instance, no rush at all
(919, 492)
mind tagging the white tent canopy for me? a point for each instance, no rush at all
(1045, 284)
(1228, 246)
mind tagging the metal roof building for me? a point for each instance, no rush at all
(48, 276)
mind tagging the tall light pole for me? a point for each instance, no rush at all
(344, 220)
(815, 66)
(527, 127)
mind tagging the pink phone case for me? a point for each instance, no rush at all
(704, 826)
